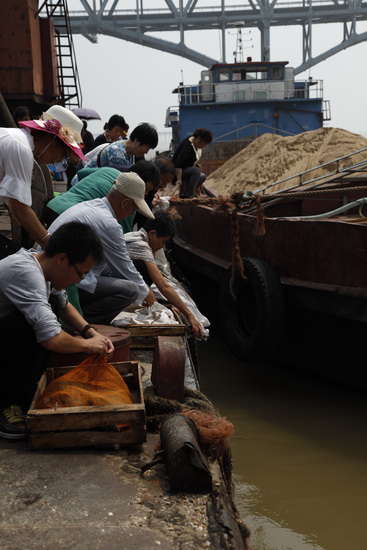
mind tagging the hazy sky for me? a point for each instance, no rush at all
(136, 81)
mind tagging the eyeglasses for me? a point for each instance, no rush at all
(80, 275)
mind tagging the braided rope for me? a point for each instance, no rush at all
(236, 203)
(301, 194)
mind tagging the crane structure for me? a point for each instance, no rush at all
(144, 22)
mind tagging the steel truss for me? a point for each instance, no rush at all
(138, 22)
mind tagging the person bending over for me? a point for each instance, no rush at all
(123, 152)
(95, 183)
(142, 245)
(113, 283)
(32, 300)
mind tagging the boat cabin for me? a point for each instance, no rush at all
(241, 100)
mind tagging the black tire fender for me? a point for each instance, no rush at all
(253, 317)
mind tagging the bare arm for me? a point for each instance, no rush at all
(65, 343)
(29, 221)
(168, 292)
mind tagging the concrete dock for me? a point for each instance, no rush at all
(96, 498)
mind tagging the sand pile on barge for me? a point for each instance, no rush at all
(271, 158)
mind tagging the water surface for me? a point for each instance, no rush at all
(300, 451)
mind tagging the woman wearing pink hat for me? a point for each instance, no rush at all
(54, 137)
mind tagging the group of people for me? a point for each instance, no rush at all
(88, 265)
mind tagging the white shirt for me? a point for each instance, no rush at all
(99, 214)
(16, 165)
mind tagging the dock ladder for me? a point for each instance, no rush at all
(67, 72)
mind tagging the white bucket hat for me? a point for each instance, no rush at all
(132, 186)
(62, 123)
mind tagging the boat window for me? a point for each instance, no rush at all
(276, 73)
(238, 74)
(256, 75)
(223, 75)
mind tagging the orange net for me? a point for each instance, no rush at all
(92, 383)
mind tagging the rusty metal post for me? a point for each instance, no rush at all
(168, 368)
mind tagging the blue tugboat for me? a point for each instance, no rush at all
(240, 101)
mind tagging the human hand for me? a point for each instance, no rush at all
(149, 299)
(195, 327)
(100, 345)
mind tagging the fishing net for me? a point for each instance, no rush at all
(92, 383)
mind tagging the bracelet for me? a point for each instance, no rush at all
(45, 237)
(85, 330)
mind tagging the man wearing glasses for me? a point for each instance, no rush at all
(29, 283)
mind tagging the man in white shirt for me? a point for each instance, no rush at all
(114, 282)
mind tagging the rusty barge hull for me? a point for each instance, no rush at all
(321, 263)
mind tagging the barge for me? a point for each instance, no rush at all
(273, 251)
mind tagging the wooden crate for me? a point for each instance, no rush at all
(68, 427)
(158, 329)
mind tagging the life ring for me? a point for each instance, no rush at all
(253, 318)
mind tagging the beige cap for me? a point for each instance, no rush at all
(132, 186)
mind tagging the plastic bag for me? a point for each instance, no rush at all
(92, 383)
(156, 314)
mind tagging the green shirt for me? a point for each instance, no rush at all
(94, 183)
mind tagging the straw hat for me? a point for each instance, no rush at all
(62, 123)
(132, 186)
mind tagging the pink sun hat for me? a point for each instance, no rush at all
(63, 124)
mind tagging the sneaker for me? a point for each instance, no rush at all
(12, 423)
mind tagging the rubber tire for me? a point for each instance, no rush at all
(253, 323)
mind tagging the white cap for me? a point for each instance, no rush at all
(132, 186)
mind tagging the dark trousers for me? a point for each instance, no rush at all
(22, 361)
(110, 297)
(192, 178)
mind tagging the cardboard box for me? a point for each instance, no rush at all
(70, 427)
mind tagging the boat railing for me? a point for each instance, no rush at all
(319, 179)
(253, 130)
(244, 91)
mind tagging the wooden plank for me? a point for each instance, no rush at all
(90, 438)
(157, 330)
(73, 420)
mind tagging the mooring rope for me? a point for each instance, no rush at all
(237, 203)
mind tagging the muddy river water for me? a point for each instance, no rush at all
(300, 451)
